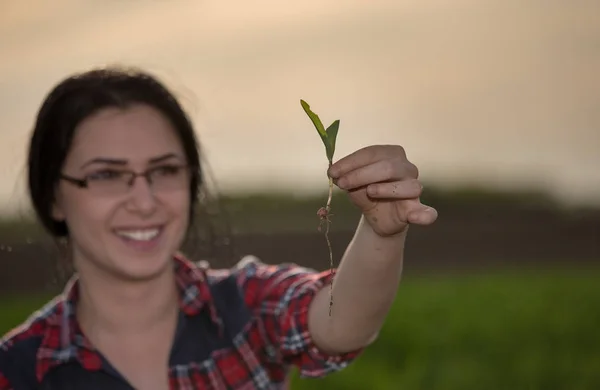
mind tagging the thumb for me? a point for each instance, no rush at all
(422, 215)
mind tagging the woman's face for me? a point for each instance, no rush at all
(126, 229)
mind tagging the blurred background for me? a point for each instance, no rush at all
(497, 103)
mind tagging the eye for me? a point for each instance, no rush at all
(166, 170)
(105, 174)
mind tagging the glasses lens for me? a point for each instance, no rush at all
(160, 179)
(115, 184)
(169, 178)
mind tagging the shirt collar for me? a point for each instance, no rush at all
(63, 340)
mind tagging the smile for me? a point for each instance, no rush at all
(141, 235)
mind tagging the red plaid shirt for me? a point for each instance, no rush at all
(239, 328)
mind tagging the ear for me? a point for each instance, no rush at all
(57, 210)
(57, 213)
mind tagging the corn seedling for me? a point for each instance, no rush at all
(328, 136)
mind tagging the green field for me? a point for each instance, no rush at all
(521, 330)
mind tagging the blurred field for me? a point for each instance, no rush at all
(476, 230)
(501, 293)
(506, 330)
(533, 330)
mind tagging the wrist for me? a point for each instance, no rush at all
(366, 229)
(365, 224)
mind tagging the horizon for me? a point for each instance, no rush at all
(503, 94)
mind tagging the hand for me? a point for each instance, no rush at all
(382, 182)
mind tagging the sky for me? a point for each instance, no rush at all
(499, 93)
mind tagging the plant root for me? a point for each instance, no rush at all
(324, 214)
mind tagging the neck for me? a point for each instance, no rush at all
(110, 306)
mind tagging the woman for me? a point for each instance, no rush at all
(114, 169)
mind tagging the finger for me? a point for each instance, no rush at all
(365, 156)
(422, 215)
(405, 189)
(382, 170)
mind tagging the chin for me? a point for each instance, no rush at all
(144, 255)
(146, 270)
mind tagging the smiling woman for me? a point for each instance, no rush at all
(114, 169)
(113, 217)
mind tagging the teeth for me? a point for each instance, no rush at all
(139, 235)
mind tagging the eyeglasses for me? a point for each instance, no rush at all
(111, 181)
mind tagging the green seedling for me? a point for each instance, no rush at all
(328, 136)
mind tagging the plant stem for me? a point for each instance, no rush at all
(328, 209)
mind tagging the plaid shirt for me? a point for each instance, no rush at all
(239, 328)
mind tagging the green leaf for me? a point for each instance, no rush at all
(315, 119)
(327, 136)
(332, 132)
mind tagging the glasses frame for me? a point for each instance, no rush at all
(84, 182)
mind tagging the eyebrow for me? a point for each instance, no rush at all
(121, 162)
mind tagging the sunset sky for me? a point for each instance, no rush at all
(505, 93)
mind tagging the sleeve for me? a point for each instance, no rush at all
(280, 296)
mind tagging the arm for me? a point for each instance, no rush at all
(279, 296)
(384, 186)
(292, 303)
(364, 289)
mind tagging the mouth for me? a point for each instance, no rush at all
(141, 238)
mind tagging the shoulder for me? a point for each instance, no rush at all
(30, 331)
(19, 346)
(251, 268)
(261, 283)
(279, 297)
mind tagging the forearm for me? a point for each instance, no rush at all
(364, 289)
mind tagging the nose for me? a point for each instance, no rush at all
(141, 197)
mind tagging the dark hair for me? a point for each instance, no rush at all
(76, 98)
